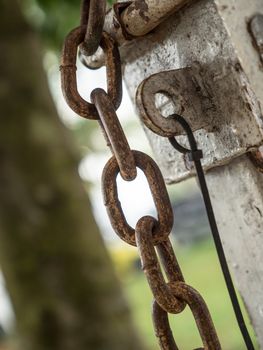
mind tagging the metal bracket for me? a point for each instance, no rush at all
(216, 101)
(186, 94)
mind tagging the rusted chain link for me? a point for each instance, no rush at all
(69, 78)
(169, 261)
(193, 299)
(92, 16)
(115, 134)
(162, 328)
(161, 290)
(172, 296)
(150, 234)
(160, 197)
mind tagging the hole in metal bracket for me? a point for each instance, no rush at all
(165, 104)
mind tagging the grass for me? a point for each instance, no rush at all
(201, 270)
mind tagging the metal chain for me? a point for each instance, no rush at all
(171, 293)
(92, 16)
(68, 70)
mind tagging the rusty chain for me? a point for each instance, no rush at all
(69, 78)
(171, 293)
(92, 16)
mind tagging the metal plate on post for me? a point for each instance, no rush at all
(186, 93)
(196, 93)
(223, 109)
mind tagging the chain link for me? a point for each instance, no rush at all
(204, 323)
(114, 134)
(161, 290)
(68, 70)
(160, 197)
(92, 16)
(150, 234)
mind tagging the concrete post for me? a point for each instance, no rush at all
(213, 35)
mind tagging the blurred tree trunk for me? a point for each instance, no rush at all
(60, 278)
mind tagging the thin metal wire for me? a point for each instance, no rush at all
(195, 155)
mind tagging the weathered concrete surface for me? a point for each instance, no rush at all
(198, 35)
(237, 197)
(213, 33)
(236, 16)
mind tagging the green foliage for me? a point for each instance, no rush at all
(54, 19)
